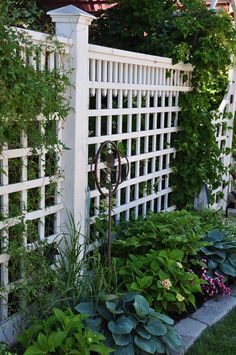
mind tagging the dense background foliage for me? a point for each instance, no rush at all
(190, 33)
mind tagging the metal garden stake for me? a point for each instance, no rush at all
(109, 154)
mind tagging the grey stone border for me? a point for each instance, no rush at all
(211, 312)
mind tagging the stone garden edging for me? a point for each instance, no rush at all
(211, 312)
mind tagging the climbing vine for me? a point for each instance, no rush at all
(186, 31)
(32, 101)
(26, 93)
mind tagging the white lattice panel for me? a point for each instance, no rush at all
(30, 194)
(224, 136)
(134, 100)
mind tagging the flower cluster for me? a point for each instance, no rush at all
(215, 285)
(166, 284)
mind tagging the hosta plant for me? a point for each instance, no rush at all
(62, 333)
(175, 230)
(161, 277)
(130, 325)
(220, 253)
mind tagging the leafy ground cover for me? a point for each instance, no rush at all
(128, 307)
(217, 340)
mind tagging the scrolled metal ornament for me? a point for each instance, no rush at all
(109, 154)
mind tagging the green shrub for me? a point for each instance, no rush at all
(221, 253)
(62, 333)
(161, 277)
(130, 325)
(176, 230)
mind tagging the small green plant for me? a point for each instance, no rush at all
(161, 277)
(130, 325)
(48, 276)
(62, 333)
(4, 350)
(220, 253)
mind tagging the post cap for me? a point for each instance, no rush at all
(70, 13)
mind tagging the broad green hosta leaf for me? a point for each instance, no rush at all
(227, 269)
(121, 339)
(213, 251)
(125, 350)
(104, 313)
(129, 296)
(212, 265)
(214, 236)
(112, 307)
(86, 308)
(232, 259)
(141, 306)
(122, 325)
(155, 327)
(173, 341)
(143, 333)
(163, 317)
(145, 345)
(229, 245)
(160, 347)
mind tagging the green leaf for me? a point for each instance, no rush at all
(145, 282)
(155, 327)
(86, 308)
(104, 313)
(214, 236)
(227, 269)
(173, 341)
(57, 338)
(60, 315)
(112, 307)
(121, 339)
(160, 347)
(35, 350)
(212, 264)
(163, 317)
(145, 345)
(122, 325)
(124, 350)
(141, 306)
(176, 254)
(143, 333)
(94, 324)
(232, 259)
(129, 296)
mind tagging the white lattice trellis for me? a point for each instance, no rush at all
(134, 100)
(19, 186)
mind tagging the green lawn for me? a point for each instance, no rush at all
(218, 340)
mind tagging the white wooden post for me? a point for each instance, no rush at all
(73, 23)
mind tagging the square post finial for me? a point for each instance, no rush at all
(70, 13)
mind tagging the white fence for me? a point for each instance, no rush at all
(115, 95)
(19, 188)
(224, 137)
(134, 100)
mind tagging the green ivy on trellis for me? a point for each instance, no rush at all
(185, 31)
